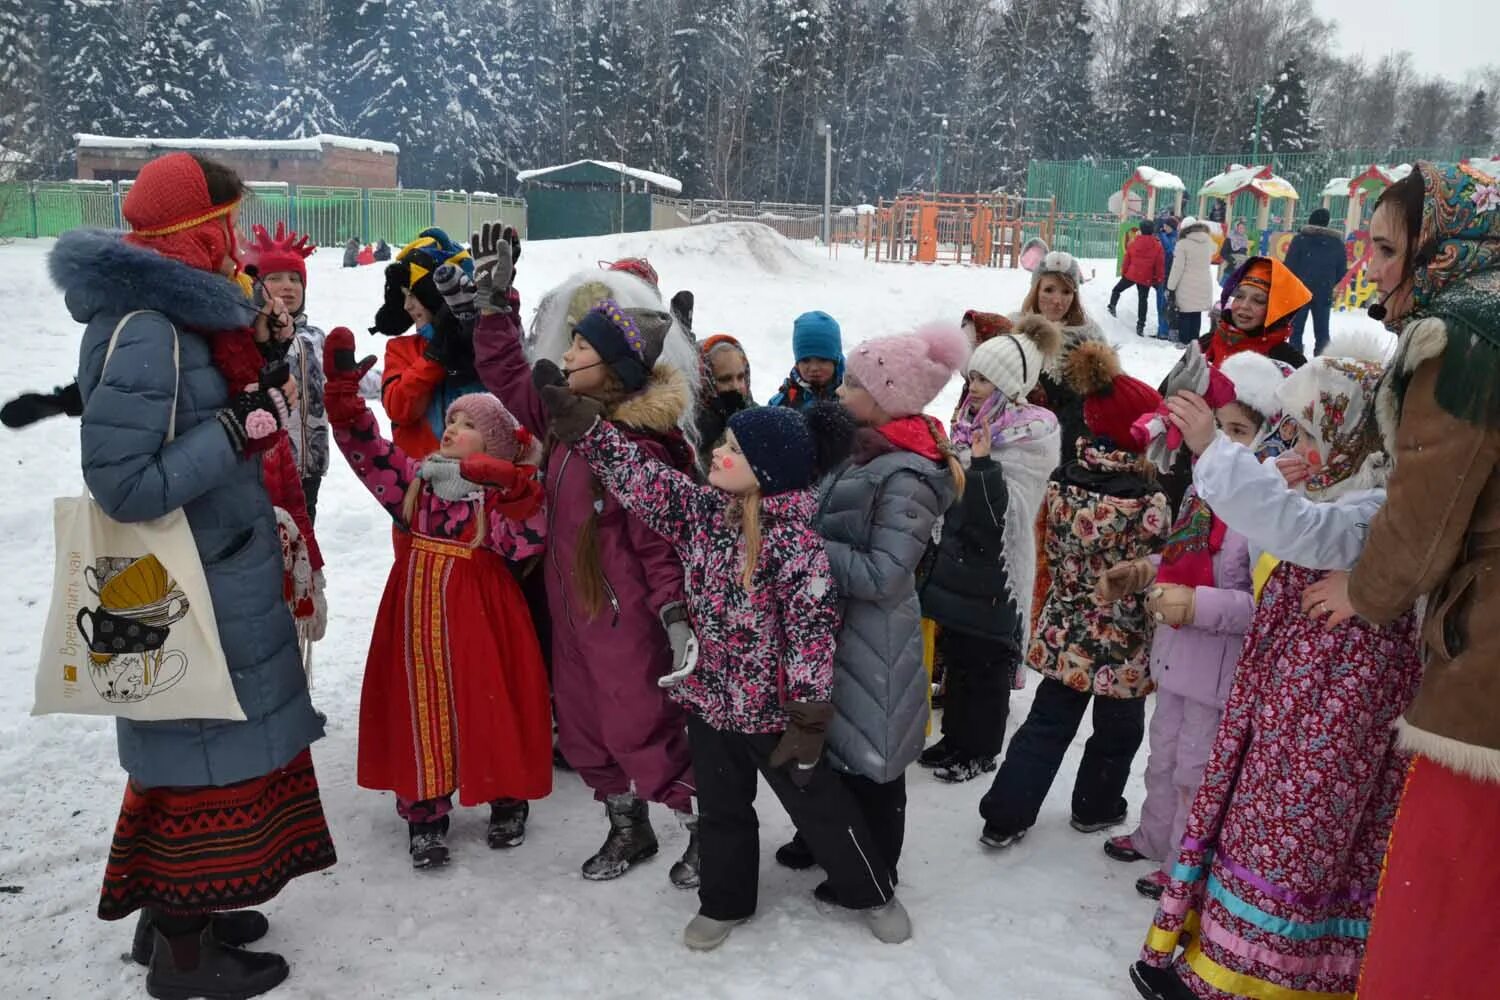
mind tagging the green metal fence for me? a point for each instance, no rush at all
(1084, 186)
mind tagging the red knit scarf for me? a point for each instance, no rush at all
(915, 434)
(1229, 340)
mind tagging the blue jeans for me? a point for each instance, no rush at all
(1162, 329)
(1319, 311)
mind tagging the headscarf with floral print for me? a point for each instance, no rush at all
(1457, 280)
(1332, 400)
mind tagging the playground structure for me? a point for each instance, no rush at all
(986, 230)
(1154, 182)
(1257, 182)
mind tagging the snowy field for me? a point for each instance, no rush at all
(1051, 918)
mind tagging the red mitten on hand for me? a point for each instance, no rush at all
(517, 494)
(341, 396)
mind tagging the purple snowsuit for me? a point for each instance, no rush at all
(615, 726)
(1193, 667)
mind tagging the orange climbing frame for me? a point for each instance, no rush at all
(985, 230)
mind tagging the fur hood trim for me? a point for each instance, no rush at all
(1421, 341)
(99, 273)
(1322, 231)
(1479, 763)
(658, 407)
(1046, 334)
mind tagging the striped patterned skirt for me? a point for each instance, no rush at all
(185, 851)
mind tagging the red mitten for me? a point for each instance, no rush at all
(341, 396)
(514, 488)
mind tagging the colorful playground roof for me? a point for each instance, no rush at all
(1159, 179)
(1238, 178)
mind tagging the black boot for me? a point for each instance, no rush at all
(937, 755)
(684, 873)
(235, 928)
(631, 839)
(1159, 984)
(508, 823)
(429, 844)
(796, 855)
(194, 964)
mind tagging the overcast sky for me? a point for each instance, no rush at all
(1447, 37)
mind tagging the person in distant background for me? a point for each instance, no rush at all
(382, 250)
(1318, 257)
(1167, 231)
(818, 349)
(351, 253)
(1145, 268)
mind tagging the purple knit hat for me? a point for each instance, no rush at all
(906, 372)
(504, 437)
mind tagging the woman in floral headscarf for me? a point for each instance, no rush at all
(1275, 881)
(1437, 265)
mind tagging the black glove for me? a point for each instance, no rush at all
(682, 308)
(452, 344)
(253, 417)
(495, 248)
(545, 373)
(801, 745)
(391, 318)
(570, 416)
(30, 407)
(727, 403)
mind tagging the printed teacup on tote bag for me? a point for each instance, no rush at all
(131, 630)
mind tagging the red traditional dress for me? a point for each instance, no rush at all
(455, 694)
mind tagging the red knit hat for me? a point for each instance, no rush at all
(1113, 401)
(170, 211)
(286, 251)
(638, 266)
(504, 437)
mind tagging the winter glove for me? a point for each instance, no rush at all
(1126, 578)
(445, 476)
(570, 417)
(495, 248)
(1172, 604)
(802, 743)
(514, 488)
(457, 289)
(342, 374)
(674, 619)
(682, 308)
(452, 346)
(391, 318)
(30, 407)
(254, 417)
(726, 404)
(545, 373)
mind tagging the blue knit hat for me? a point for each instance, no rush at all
(788, 449)
(817, 335)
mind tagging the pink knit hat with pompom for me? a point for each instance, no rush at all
(504, 437)
(906, 372)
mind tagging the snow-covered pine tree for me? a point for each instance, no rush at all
(1205, 84)
(1154, 121)
(1476, 127)
(788, 96)
(356, 45)
(1286, 124)
(298, 71)
(531, 77)
(21, 87)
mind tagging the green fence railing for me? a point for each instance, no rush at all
(1085, 186)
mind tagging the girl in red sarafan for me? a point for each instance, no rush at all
(455, 693)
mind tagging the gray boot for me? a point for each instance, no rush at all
(684, 873)
(631, 839)
(705, 933)
(889, 923)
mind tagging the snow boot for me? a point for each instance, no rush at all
(428, 844)
(1122, 849)
(1095, 826)
(231, 927)
(1153, 885)
(631, 839)
(796, 855)
(684, 873)
(195, 964)
(961, 769)
(1111, 310)
(1159, 984)
(507, 823)
(889, 923)
(996, 838)
(940, 754)
(705, 933)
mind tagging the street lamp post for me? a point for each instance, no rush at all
(821, 124)
(938, 178)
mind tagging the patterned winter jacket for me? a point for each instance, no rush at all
(1099, 512)
(757, 650)
(515, 527)
(308, 428)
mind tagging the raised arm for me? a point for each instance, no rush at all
(667, 501)
(385, 469)
(810, 617)
(503, 368)
(130, 468)
(1254, 500)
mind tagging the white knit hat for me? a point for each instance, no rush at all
(1256, 380)
(1014, 361)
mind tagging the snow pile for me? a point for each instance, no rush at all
(313, 144)
(1053, 918)
(1159, 179)
(670, 184)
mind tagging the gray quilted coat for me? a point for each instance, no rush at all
(135, 475)
(876, 518)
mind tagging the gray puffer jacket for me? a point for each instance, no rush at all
(876, 517)
(135, 475)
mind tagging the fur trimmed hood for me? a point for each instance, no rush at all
(99, 273)
(660, 406)
(1322, 231)
(1420, 342)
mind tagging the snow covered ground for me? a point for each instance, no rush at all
(1051, 918)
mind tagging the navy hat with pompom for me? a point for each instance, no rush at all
(787, 449)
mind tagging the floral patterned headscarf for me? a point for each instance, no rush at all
(1333, 401)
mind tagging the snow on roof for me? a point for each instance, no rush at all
(1242, 178)
(662, 181)
(313, 144)
(1159, 179)
(1338, 187)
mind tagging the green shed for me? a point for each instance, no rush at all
(591, 198)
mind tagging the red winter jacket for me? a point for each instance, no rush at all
(1145, 261)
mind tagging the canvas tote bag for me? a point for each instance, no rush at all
(131, 629)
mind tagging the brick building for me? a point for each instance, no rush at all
(323, 160)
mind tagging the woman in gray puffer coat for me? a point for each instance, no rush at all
(876, 516)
